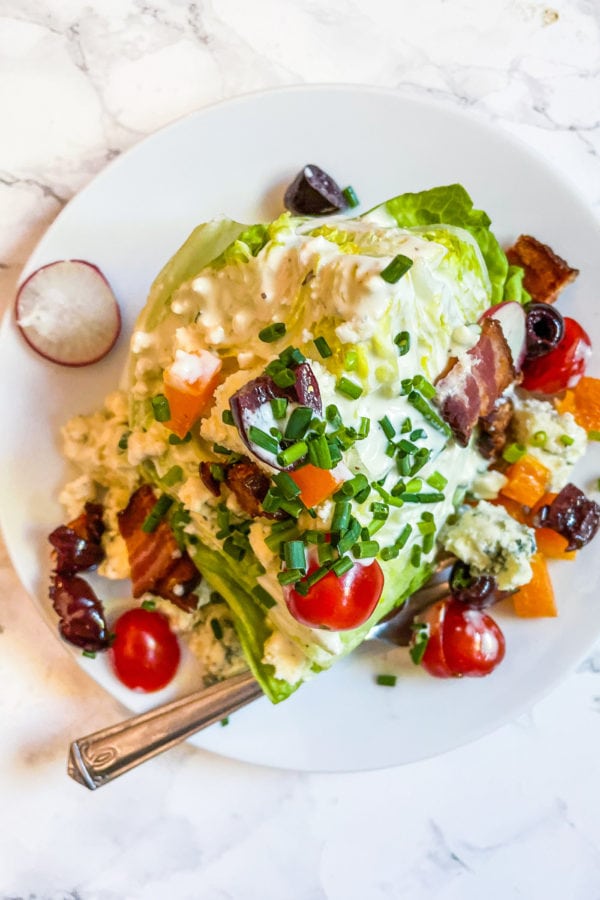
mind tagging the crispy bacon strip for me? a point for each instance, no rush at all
(474, 383)
(249, 485)
(493, 429)
(546, 273)
(157, 564)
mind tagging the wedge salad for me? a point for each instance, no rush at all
(313, 410)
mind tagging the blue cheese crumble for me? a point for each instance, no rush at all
(553, 438)
(492, 543)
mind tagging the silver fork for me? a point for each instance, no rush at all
(101, 757)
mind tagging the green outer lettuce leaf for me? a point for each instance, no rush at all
(452, 205)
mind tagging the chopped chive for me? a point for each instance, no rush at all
(271, 501)
(407, 446)
(403, 537)
(312, 536)
(361, 496)
(262, 439)
(364, 534)
(174, 475)
(433, 497)
(387, 680)
(419, 434)
(90, 654)
(217, 629)
(539, 439)
(289, 576)
(285, 378)
(398, 488)
(350, 197)
(234, 550)
(348, 388)
(415, 555)
(414, 485)
(593, 435)
(437, 480)
(398, 267)
(161, 408)
(263, 597)
(319, 453)
(350, 536)
(278, 407)
(148, 604)
(566, 440)
(293, 507)
(388, 553)
(424, 387)
(513, 452)
(160, 508)
(298, 423)
(342, 565)
(323, 347)
(341, 516)
(419, 642)
(387, 428)
(350, 360)
(332, 414)
(364, 427)
(354, 485)
(402, 342)
(227, 417)
(380, 510)
(421, 405)
(428, 542)
(294, 554)
(403, 464)
(291, 356)
(316, 576)
(286, 485)
(272, 332)
(426, 527)
(225, 722)
(325, 553)
(123, 441)
(365, 549)
(219, 448)
(175, 439)
(406, 426)
(292, 454)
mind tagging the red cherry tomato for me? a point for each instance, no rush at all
(145, 653)
(562, 367)
(462, 641)
(338, 603)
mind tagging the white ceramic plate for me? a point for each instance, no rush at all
(235, 159)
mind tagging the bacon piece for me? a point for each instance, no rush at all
(249, 485)
(157, 564)
(493, 429)
(208, 480)
(546, 273)
(77, 546)
(474, 383)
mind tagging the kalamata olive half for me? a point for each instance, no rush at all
(314, 193)
(545, 328)
(81, 614)
(573, 515)
(478, 591)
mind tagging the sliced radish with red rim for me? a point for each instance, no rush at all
(68, 313)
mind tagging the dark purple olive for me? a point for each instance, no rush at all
(573, 515)
(478, 591)
(82, 620)
(314, 193)
(77, 545)
(251, 406)
(545, 329)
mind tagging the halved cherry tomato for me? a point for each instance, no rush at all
(562, 367)
(145, 653)
(338, 603)
(462, 641)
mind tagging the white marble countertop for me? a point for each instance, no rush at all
(514, 815)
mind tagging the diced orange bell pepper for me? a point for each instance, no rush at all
(189, 385)
(536, 599)
(527, 481)
(513, 508)
(315, 484)
(552, 544)
(584, 402)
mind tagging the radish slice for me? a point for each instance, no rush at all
(68, 313)
(512, 319)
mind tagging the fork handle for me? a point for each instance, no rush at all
(98, 758)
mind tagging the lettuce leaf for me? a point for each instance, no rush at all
(452, 205)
